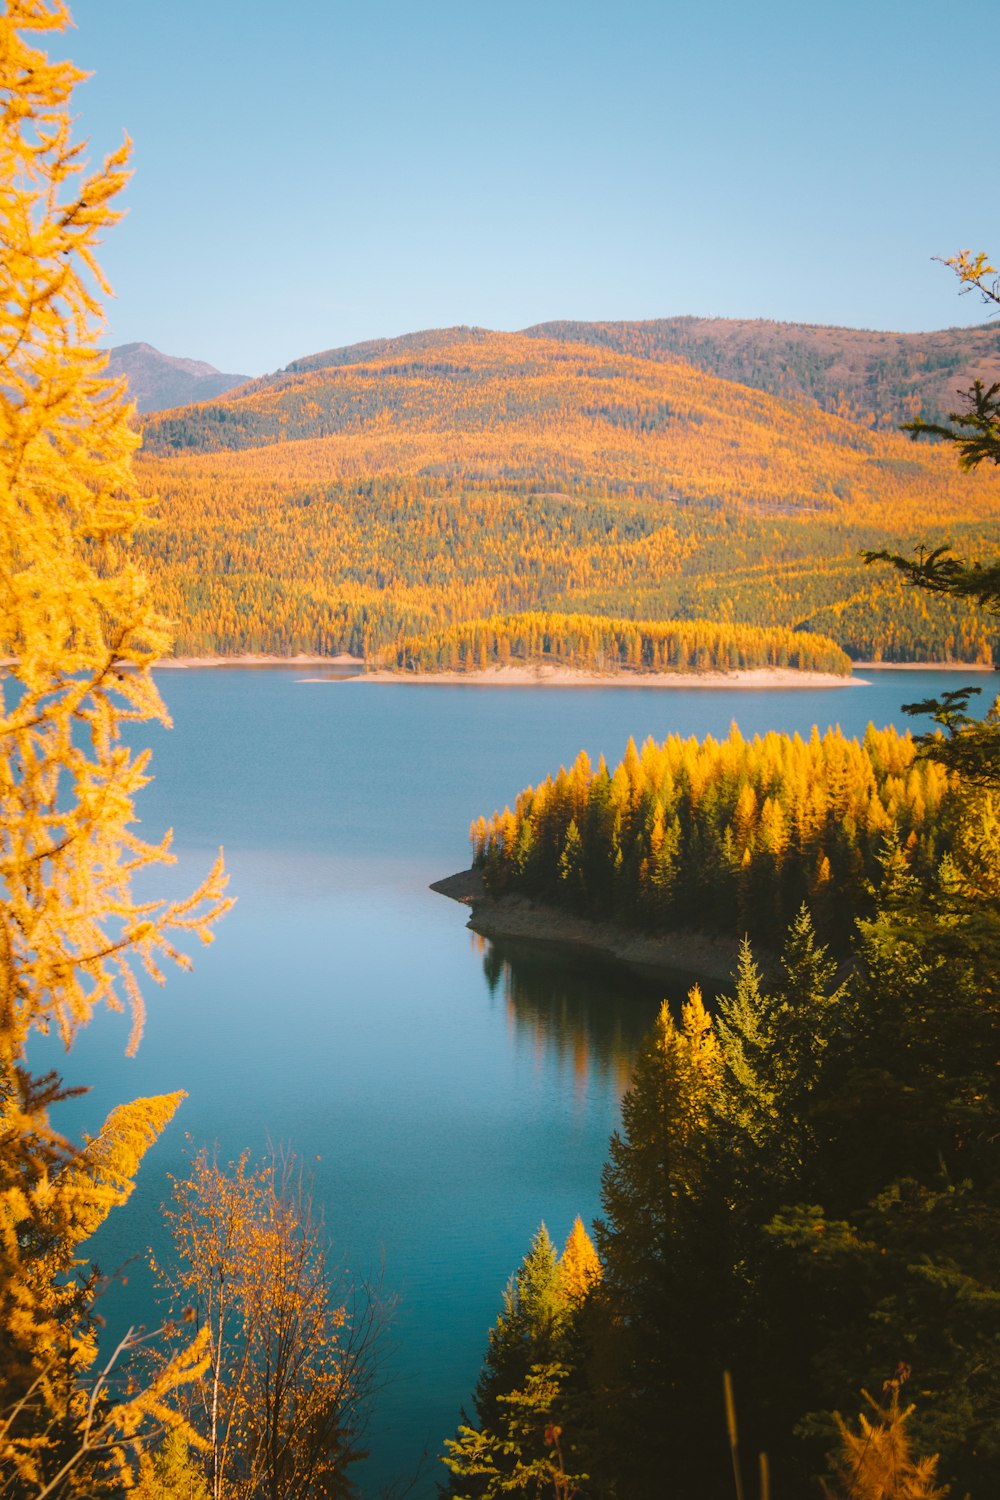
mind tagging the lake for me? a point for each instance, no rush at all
(447, 1094)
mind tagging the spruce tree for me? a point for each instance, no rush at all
(663, 1245)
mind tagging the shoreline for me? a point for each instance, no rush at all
(254, 659)
(545, 675)
(653, 955)
(925, 666)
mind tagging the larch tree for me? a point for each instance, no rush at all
(78, 636)
(579, 1264)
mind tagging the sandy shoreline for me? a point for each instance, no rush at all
(924, 666)
(652, 955)
(543, 675)
(250, 659)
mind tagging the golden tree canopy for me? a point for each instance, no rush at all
(78, 636)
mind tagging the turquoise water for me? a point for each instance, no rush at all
(448, 1095)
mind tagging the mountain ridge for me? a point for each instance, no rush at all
(159, 382)
(875, 377)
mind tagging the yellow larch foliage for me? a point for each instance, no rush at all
(732, 835)
(579, 1264)
(877, 1463)
(78, 635)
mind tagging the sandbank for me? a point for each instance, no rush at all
(252, 659)
(542, 674)
(924, 666)
(650, 954)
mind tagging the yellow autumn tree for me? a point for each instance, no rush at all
(579, 1264)
(282, 1401)
(877, 1461)
(78, 636)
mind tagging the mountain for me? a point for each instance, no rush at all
(407, 485)
(157, 381)
(877, 379)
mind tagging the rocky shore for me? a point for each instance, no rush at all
(650, 954)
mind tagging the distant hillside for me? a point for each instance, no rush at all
(157, 381)
(359, 354)
(404, 487)
(877, 379)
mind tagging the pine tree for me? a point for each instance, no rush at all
(516, 1442)
(527, 1328)
(663, 1244)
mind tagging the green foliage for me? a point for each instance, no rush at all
(527, 1329)
(524, 1455)
(806, 1190)
(974, 430)
(528, 1387)
(729, 836)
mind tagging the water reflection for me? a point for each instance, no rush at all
(583, 1017)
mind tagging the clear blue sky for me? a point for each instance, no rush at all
(329, 172)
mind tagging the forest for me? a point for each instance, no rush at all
(597, 643)
(732, 836)
(801, 1207)
(803, 1192)
(876, 379)
(453, 476)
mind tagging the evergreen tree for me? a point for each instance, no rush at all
(516, 1446)
(527, 1328)
(664, 1246)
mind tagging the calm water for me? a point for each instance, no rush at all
(448, 1093)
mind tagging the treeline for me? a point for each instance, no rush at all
(600, 644)
(728, 835)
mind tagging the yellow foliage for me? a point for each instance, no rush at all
(579, 1264)
(78, 635)
(876, 1462)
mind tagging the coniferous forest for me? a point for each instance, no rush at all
(793, 1286)
(480, 474)
(733, 836)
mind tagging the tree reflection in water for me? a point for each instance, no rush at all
(581, 1013)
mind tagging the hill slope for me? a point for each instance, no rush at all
(461, 473)
(877, 379)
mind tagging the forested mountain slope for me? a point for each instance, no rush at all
(461, 473)
(877, 379)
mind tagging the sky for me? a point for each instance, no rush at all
(330, 172)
